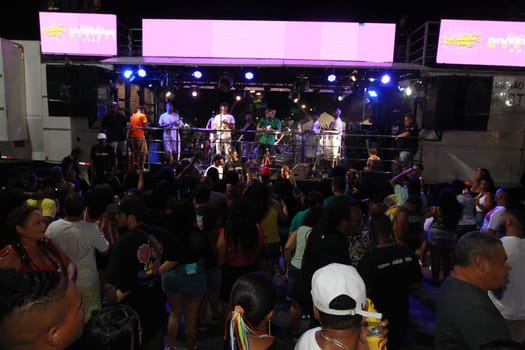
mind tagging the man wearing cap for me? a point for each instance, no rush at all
(137, 136)
(103, 157)
(339, 297)
(466, 318)
(218, 163)
(136, 260)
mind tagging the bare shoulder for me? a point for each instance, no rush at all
(9, 258)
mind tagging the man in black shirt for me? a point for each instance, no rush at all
(103, 158)
(114, 125)
(407, 140)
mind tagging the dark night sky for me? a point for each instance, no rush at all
(25, 16)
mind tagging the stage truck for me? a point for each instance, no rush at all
(468, 120)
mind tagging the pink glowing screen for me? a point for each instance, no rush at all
(280, 40)
(82, 34)
(481, 43)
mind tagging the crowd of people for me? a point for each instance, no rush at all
(154, 253)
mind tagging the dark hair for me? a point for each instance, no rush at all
(213, 174)
(449, 207)
(30, 291)
(259, 196)
(474, 244)
(201, 193)
(339, 184)
(113, 328)
(256, 293)
(314, 198)
(517, 211)
(97, 198)
(381, 226)
(510, 195)
(73, 204)
(17, 216)
(414, 185)
(458, 185)
(415, 200)
(336, 212)
(241, 227)
(342, 302)
(313, 216)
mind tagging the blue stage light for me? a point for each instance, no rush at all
(385, 79)
(127, 73)
(142, 72)
(197, 74)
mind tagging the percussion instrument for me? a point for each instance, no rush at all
(330, 144)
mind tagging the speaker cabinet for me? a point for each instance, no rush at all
(301, 171)
(457, 103)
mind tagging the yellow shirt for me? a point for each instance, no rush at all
(270, 226)
(47, 206)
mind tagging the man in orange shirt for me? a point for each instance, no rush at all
(137, 136)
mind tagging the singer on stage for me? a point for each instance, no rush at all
(267, 128)
(224, 124)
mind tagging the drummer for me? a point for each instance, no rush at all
(316, 124)
(313, 135)
(267, 129)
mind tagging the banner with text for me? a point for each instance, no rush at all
(488, 43)
(78, 34)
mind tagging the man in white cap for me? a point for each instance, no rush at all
(104, 160)
(339, 298)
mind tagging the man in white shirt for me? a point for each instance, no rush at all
(493, 221)
(171, 122)
(224, 124)
(79, 239)
(339, 297)
(338, 125)
(510, 300)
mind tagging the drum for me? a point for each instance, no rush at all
(330, 143)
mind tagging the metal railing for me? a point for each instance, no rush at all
(290, 148)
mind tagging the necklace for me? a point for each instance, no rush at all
(334, 341)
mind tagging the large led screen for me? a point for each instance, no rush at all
(80, 34)
(273, 40)
(488, 43)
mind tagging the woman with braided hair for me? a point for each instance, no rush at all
(252, 303)
(25, 247)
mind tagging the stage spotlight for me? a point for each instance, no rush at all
(141, 72)
(372, 93)
(385, 79)
(127, 73)
(408, 91)
(331, 78)
(238, 97)
(197, 74)
(194, 93)
(249, 75)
